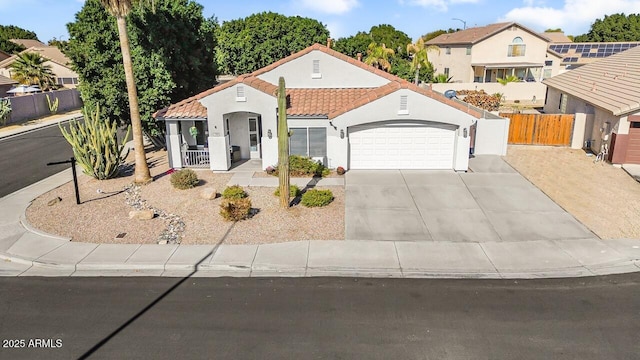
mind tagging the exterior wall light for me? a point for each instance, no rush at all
(465, 132)
(341, 133)
(269, 134)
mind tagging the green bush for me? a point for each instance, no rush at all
(304, 166)
(235, 209)
(184, 179)
(234, 192)
(294, 191)
(314, 198)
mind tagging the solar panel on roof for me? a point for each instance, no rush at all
(572, 46)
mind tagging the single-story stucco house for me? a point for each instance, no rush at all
(605, 98)
(340, 111)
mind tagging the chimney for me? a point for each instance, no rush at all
(359, 56)
(329, 43)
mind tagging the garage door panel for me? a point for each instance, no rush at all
(402, 147)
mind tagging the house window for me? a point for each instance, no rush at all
(240, 95)
(448, 50)
(468, 50)
(311, 142)
(404, 105)
(548, 63)
(446, 71)
(635, 125)
(517, 48)
(316, 70)
(67, 81)
(563, 104)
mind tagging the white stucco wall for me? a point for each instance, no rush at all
(492, 136)
(222, 105)
(522, 91)
(421, 109)
(335, 73)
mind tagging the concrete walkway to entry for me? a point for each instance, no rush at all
(25, 251)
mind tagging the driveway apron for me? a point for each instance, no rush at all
(493, 204)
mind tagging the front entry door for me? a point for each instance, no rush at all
(254, 138)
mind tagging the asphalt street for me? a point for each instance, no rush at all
(24, 157)
(319, 318)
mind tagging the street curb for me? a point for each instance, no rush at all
(30, 228)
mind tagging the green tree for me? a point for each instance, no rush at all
(353, 45)
(30, 69)
(392, 38)
(171, 63)
(616, 27)
(419, 58)
(378, 56)
(14, 32)
(248, 44)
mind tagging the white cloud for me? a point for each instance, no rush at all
(574, 17)
(330, 6)
(442, 5)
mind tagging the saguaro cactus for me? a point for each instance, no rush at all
(283, 145)
(95, 144)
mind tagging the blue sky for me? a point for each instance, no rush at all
(346, 17)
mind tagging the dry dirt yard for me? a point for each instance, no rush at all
(103, 214)
(603, 197)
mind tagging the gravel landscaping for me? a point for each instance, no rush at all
(103, 216)
(603, 197)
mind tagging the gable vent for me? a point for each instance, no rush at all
(315, 74)
(240, 96)
(404, 105)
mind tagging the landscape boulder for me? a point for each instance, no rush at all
(141, 214)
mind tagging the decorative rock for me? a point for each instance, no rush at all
(54, 201)
(141, 214)
(162, 242)
(209, 193)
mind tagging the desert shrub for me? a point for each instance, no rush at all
(340, 170)
(294, 191)
(184, 179)
(315, 198)
(304, 166)
(234, 192)
(235, 209)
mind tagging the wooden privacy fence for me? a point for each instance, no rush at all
(540, 129)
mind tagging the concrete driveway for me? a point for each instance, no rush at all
(492, 203)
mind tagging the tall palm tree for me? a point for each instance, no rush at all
(419, 57)
(120, 9)
(378, 56)
(30, 69)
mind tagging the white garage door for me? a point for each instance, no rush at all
(401, 147)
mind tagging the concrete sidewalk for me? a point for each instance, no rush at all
(15, 129)
(27, 252)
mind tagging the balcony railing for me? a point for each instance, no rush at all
(195, 158)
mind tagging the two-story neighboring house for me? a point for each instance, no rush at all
(487, 53)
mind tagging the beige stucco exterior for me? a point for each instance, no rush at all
(488, 59)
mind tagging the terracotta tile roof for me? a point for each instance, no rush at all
(612, 83)
(316, 101)
(309, 102)
(476, 34)
(6, 81)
